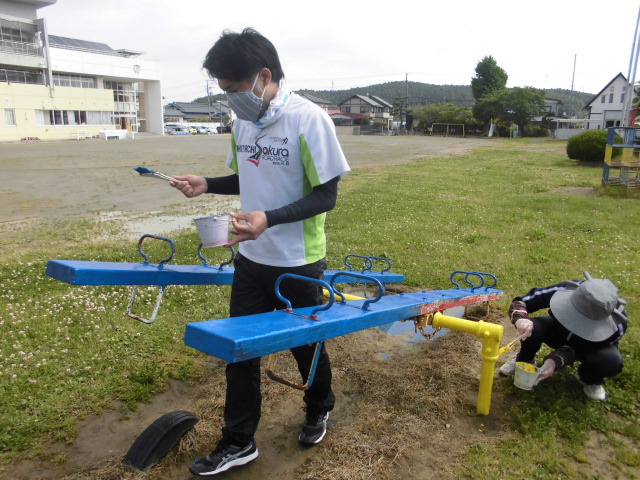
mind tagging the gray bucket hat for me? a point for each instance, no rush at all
(587, 309)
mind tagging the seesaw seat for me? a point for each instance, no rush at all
(80, 272)
(243, 338)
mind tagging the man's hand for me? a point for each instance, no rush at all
(247, 226)
(190, 185)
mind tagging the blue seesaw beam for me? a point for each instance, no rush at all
(80, 272)
(243, 338)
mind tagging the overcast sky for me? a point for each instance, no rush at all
(336, 45)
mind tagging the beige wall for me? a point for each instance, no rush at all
(26, 99)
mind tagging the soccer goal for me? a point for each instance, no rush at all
(448, 129)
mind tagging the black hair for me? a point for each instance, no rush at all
(240, 56)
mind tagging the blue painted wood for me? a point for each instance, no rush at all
(243, 338)
(383, 277)
(79, 272)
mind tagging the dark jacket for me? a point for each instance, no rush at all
(539, 299)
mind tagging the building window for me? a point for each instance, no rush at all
(622, 98)
(603, 98)
(611, 98)
(78, 81)
(73, 117)
(21, 76)
(9, 116)
(122, 91)
(19, 38)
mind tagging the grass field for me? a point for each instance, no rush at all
(519, 209)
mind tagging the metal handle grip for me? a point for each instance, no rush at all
(165, 239)
(322, 283)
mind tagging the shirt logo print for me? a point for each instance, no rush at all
(255, 158)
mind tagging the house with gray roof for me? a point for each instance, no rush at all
(184, 112)
(321, 102)
(369, 106)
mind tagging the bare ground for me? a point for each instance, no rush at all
(404, 409)
(88, 177)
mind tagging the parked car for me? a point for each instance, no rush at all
(201, 130)
(192, 130)
(211, 130)
(224, 129)
(180, 131)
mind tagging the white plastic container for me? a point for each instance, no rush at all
(525, 375)
(213, 230)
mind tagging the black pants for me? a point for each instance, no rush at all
(253, 291)
(598, 360)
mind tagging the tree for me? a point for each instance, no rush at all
(489, 78)
(524, 104)
(517, 105)
(400, 109)
(491, 106)
(443, 113)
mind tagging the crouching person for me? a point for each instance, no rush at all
(584, 323)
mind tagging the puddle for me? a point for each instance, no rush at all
(406, 330)
(134, 225)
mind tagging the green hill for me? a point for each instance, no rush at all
(426, 94)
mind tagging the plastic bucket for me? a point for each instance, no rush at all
(213, 230)
(526, 375)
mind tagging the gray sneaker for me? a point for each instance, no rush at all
(314, 428)
(509, 367)
(224, 457)
(594, 392)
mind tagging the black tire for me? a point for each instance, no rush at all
(158, 439)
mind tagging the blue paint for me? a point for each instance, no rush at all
(251, 336)
(80, 272)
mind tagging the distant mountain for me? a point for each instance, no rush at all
(425, 94)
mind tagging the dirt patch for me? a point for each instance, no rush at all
(577, 191)
(68, 179)
(404, 410)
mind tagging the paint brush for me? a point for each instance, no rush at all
(147, 172)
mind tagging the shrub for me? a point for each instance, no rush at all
(537, 131)
(589, 146)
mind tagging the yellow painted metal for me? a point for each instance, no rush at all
(346, 295)
(608, 153)
(491, 334)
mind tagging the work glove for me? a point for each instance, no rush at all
(525, 327)
(547, 369)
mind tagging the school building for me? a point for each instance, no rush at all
(54, 87)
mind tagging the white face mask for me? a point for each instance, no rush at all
(246, 105)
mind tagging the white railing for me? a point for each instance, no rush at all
(20, 48)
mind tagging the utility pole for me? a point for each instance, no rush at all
(575, 56)
(631, 78)
(406, 84)
(208, 101)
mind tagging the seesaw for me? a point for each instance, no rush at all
(164, 274)
(243, 338)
